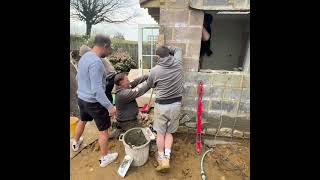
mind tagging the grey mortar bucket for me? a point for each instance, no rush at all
(136, 143)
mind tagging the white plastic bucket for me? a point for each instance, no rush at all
(140, 153)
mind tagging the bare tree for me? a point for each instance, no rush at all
(118, 36)
(97, 11)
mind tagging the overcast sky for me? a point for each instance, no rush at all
(129, 30)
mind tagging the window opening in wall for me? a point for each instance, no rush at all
(227, 47)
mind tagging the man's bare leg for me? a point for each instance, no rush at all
(168, 140)
(79, 130)
(103, 142)
(160, 145)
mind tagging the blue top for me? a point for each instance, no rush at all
(91, 79)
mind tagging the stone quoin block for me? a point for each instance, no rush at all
(177, 4)
(173, 17)
(188, 33)
(190, 64)
(196, 18)
(193, 50)
(166, 31)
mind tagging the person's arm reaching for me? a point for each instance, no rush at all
(138, 80)
(177, 53)
(96, 73)
(129, 95)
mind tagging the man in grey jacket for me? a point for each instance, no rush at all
(126, 104)
(167, 80)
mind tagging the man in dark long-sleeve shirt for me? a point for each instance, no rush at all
(126, 94)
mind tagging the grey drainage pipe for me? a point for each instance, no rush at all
(203, 176)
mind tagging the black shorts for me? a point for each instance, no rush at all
(94, 111)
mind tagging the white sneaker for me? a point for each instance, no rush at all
(109, 158)
(76, 145)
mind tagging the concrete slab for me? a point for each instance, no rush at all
(89, 135)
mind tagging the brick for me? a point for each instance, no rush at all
(180, 4)
(234, 81)
(217, 92)
(189, 102)
(189, 76)
(206, 78)
(242, 124)
(190, 91)
(167, 31)
(246, 81)
(191, 114)
(228, 106)
(174, 17)
(244, 107)
(193, 50)
(246, 134)
(196, 17)
(210, 131)
(232, 94)
(237, 133)
(225, 132)
(205, 105)
(245, 97)
(204, 116)
(207, 91)
(190, 33)
(190, 64)
(215, 105)
(219, 80)
(214, 114)
(228, 121)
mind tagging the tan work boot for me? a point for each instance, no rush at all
(164, 165)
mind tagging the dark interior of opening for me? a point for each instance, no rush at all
(230, 34)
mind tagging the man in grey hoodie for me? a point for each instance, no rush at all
(167, 80)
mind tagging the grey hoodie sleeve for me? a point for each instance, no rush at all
(96, 72)
(138, 80)
(177, 53)
(129, 95)
(151, 79)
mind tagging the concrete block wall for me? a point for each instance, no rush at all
(226, 94)
(226, 97)
(182, 27)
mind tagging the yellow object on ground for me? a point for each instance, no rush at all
(73, 123)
